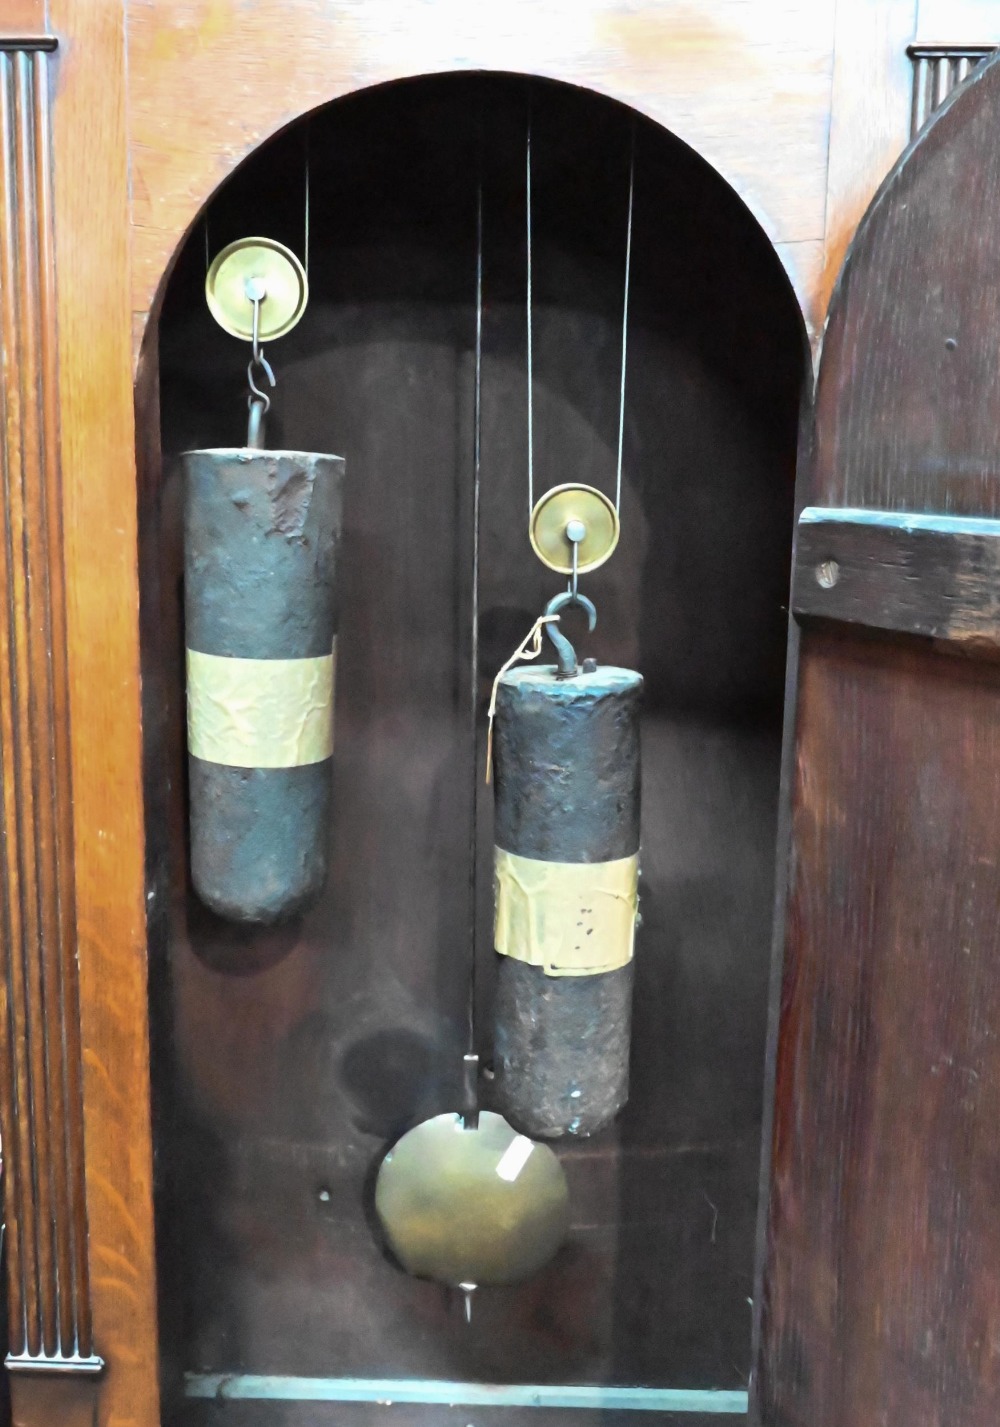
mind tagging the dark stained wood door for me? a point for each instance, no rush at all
(881, 1293)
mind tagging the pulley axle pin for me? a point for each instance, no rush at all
(575, 532)
(255, 289)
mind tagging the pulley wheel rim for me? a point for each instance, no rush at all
(551, 515)
(284, 278)
(472, 1206)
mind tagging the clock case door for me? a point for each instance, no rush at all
(880, 1295)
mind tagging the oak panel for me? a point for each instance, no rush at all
(718, 77)
(880, 1291)
(48, 1276)
(869, 119)
(937, 577)
(91, 249)
(909, 396)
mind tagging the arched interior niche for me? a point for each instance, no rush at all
(285, 1061)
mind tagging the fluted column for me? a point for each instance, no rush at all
(41, 1104)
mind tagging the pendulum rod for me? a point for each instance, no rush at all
(306, 186)
(531, 384)
(575, 538)
(471, 1059)
(463, 1208)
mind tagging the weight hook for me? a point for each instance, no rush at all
(565, 653)
(256, 292)
(255, 392)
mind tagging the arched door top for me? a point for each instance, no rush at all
(722, 89)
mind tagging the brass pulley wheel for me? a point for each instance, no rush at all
(559, 514)
(472, 1206)
(261, 269)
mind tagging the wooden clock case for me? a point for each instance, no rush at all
(875, 1299)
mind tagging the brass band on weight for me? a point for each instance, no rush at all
(260, 713)
(570, 918)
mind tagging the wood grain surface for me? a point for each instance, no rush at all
(23, 17)
(869, 120)
(908, 407)
(48, 1274)
(720, 77)
(742, 81)
(934, 576)
(342, 1414)
(91, 253)
(881, 1294)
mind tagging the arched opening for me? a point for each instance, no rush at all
(285, 1061)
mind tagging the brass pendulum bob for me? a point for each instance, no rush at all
(261, 535)
(467, 1201)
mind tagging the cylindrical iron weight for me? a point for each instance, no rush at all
(261, 534)
(567, 776)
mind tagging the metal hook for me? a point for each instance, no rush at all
(565, 653)
(256, 292)
(258, 402)
(255, 392)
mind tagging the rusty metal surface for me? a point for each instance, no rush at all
(561, 1048)
(567, 790)
(261, 533)
(567, 764)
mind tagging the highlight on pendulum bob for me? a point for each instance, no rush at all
(260, 556)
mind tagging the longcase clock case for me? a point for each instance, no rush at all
(794, 1217)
